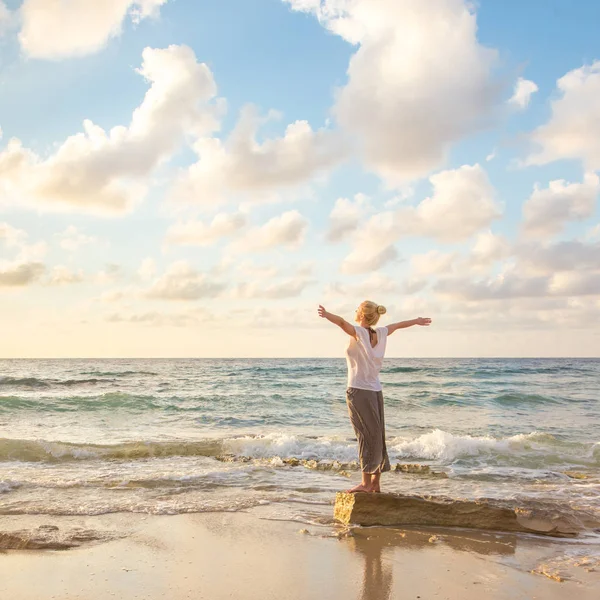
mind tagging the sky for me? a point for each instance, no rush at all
(184, 178)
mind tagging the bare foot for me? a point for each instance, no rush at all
(359, 488)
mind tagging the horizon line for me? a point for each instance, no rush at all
(290, 357)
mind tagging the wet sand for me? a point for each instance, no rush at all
(250, 556)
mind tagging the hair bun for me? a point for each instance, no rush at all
(381, 310)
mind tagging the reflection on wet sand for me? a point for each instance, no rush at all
(377, 576)
(374, 543)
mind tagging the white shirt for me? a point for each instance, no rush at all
(364, 361)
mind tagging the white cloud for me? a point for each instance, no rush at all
(32, 252)
(376, 285)
(249, 269)
(418, 82)
(346, 216)
(111, 273)
(367, 259)
(6, 19)
(108, 172)
(489, 248)
(491, 156)
(147, 269)
(288, 288)
(243, 167)
(575, 284)
(72, 239)
(524, 89)
(182, 282)
(546, 211)
(55, 29)
(433, 262)
(593, 233)
(503, 286)
(62, 275)
(112, 296)
(462, 203)
(286, 230)
(197, 233)
(11, 236)
(571, 255)
(20, 274)
(512, 284)
(573, 131)
(157, 319)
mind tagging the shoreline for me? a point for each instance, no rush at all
(252, 554)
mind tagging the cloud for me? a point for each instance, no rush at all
(376, 286)
(156, 319)
(575, 284)
(488, 248)
(6, 20)
(182, 282)
(250, 270)
(61, 275)
(54, 29)
(500, 287)
(573, 131)
(346, 216)
(197, 233)
(72, 239)
(571, 255)
(418, 82)
(288, 288)
(11, 236)
(524, 89)
(462, 203)
(547, 211)
(365, 260)
(147, 269)
(111, 273)
(108, 172)
(20, 274)
(112, 296)
(286, 230)
(242, 167)
(433, 262)
(512, 284)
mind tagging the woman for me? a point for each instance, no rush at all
(364, 356)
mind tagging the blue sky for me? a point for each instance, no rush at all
(83, 278)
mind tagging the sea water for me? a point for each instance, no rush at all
(85, 437)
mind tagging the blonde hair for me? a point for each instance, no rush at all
(370, 311)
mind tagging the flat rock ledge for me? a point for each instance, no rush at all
(392, 509)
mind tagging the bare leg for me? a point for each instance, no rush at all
(374, 484)
(364, 486)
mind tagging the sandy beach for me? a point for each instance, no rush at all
(251, 554)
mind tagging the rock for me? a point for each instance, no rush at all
(49, 537)
(412, 468)
(392, 509)
(576, 475)
(417, 469)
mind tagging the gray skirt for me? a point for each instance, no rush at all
(366, 415)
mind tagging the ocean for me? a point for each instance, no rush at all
(88, 437)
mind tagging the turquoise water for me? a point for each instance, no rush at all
(169, 436)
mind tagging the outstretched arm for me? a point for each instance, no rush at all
(336, 320)
(423, 321)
